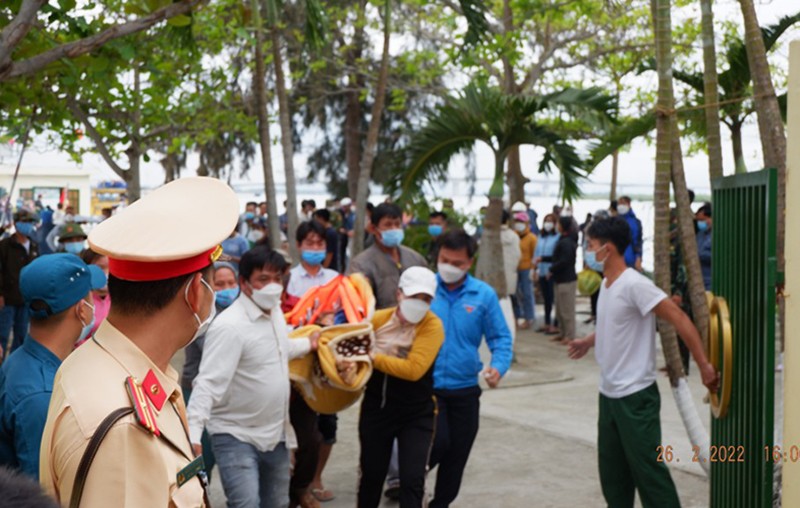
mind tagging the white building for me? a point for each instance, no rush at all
(53, 183)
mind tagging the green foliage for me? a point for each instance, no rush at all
(483, 113)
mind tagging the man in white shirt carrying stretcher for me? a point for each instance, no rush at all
(629, 425)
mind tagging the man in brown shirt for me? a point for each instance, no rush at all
(383, 263)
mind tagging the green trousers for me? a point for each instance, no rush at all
(629, 430)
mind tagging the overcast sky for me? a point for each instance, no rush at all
(636, 165)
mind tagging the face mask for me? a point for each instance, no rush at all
(255, 235)
(226, 297)
(392, 237)
(73, 247)
(413, 309)
(549, 226)
(268, 297)
(202, 326)
(450, 274)
(566, 213)
(519, 227)
(435, 229)
(313, 257)
(623, 209)
(25, 228)
(702, 225)
(592, 261)
(69, 218)
(87, 328)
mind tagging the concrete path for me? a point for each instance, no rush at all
(536, 446)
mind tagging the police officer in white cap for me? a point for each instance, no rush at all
(116, 431)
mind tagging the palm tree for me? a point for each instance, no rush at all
(770, 127)
(734, 87)
(314, 35)
(711, 90)
(371, 147)
(667, 147)
(262, 114)
(502, 122)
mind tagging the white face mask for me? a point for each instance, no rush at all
(449, 273)
(413, 309)
(254, 235)
(519, 227)
(202, 326)
(549, 226)
(268, 297)
(623, 209)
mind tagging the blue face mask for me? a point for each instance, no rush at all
(313, 257)
(590, 258)
(226, 297)
(435, 229)
(25, 228)
(74, 247)
(88, 327)
(702, 226)
(392, 237)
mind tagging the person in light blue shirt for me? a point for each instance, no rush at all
(543, 259)
(233, 248)
(57, 292)
(470, 311)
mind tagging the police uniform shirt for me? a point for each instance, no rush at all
(133, 467)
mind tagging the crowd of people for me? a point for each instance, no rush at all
(274, 349)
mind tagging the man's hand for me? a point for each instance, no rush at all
(579, 347)
(638, 264)
(492, 377)
(677, 299)
(548, 276)
(314, 341)
(710, 377)
(197, 449)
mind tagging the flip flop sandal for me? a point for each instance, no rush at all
(323, 495)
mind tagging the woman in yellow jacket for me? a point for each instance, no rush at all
(398, 402)
(524, 303)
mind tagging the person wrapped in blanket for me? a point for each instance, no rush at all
(398, 403)
(318, 296)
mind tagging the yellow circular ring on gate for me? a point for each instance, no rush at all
(719, 330)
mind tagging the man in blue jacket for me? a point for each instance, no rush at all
(633, 254)
(57, 292)
(469, 310)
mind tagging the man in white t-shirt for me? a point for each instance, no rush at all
(629, 425)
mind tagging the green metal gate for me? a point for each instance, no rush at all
(744, 275)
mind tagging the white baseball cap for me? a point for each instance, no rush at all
(519, 206)
(416, 280)
(346, 202)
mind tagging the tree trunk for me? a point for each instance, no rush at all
(665, 121)
(614, 172)
(259, 84)
(688, 240)
(664, 124)
(770, 126)
(352, 117)
(134, 151)
(490, 268)
(287, 146)
(738, 152)
(371, 148)
(516, 180)
(711, 90)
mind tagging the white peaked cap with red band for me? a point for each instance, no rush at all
(175, 230)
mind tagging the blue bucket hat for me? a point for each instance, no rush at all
(59, 281)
